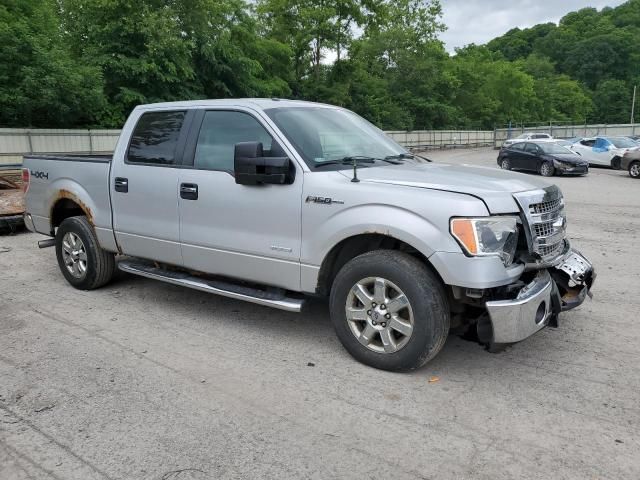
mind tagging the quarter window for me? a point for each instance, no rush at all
(155, 138)
(219, 133)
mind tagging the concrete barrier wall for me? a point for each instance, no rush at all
(16, 142)
(569, 131)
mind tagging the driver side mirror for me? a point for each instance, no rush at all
(251, 167)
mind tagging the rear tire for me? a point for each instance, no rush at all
(385, 330)
(547, 170)
(83, 263)
(634, 169)
(505, 164)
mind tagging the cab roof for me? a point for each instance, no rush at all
(255, 103)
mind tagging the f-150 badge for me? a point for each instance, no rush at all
(323, 200)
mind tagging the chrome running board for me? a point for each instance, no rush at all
(275, 299)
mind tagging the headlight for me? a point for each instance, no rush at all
(487, 236)
(561, 164)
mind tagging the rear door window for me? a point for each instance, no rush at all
(155, 138)
(531, 148)
(518, 147)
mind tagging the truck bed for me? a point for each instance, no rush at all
(72, 182)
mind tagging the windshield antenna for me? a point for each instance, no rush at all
(355, 171)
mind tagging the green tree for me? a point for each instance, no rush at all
(139, 48)
(612, 99)
(41, 84)
(153, 50)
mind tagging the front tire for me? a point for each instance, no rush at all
(83, 263)
(634, 169)
(547, 170)
(389, 310)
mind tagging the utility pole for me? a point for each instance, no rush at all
(633, 103)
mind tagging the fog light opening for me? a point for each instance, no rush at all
(541, 313)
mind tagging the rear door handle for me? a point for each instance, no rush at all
(121, 184)
(189, 191)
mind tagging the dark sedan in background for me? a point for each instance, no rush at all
(546, 158)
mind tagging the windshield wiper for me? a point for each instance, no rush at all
(404, 156)
(349, 160)
(400, 156)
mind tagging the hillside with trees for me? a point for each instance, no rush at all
(87, 63)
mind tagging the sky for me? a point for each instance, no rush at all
(478, 21)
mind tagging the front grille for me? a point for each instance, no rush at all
(543, 229)
(552, 251)
(545, 221)
(546, 207)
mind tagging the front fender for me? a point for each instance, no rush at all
(381, 219)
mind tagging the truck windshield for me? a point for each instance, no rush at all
(321, 135)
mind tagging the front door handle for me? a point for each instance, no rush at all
(121, 184)
(189, 191)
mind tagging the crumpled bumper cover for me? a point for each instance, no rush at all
(537, 305)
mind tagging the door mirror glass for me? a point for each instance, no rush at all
(251, 167)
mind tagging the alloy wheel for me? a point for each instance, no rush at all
(379, 315)
(74, 255)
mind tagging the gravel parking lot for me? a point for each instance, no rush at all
(144, 380)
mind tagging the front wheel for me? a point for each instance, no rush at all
(82, 262)
(547, 170)
(634, 169)
(389, 310)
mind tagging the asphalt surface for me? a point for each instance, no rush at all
(143, 380)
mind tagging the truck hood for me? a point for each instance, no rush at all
(495, 187)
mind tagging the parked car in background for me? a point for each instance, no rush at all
(630, 162)
(527, 136)
(604, 151)
(546, 158)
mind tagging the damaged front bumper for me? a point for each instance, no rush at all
(537, 304)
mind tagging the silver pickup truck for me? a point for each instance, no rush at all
(271, 201)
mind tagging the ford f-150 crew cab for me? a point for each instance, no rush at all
(270, 201)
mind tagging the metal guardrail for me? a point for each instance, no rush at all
(568, 131)
(16, 142)
(426, 139)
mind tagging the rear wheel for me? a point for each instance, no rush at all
(505, 164)
(547, 170)
(634, 169)
(82, 262)
(389, 310)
